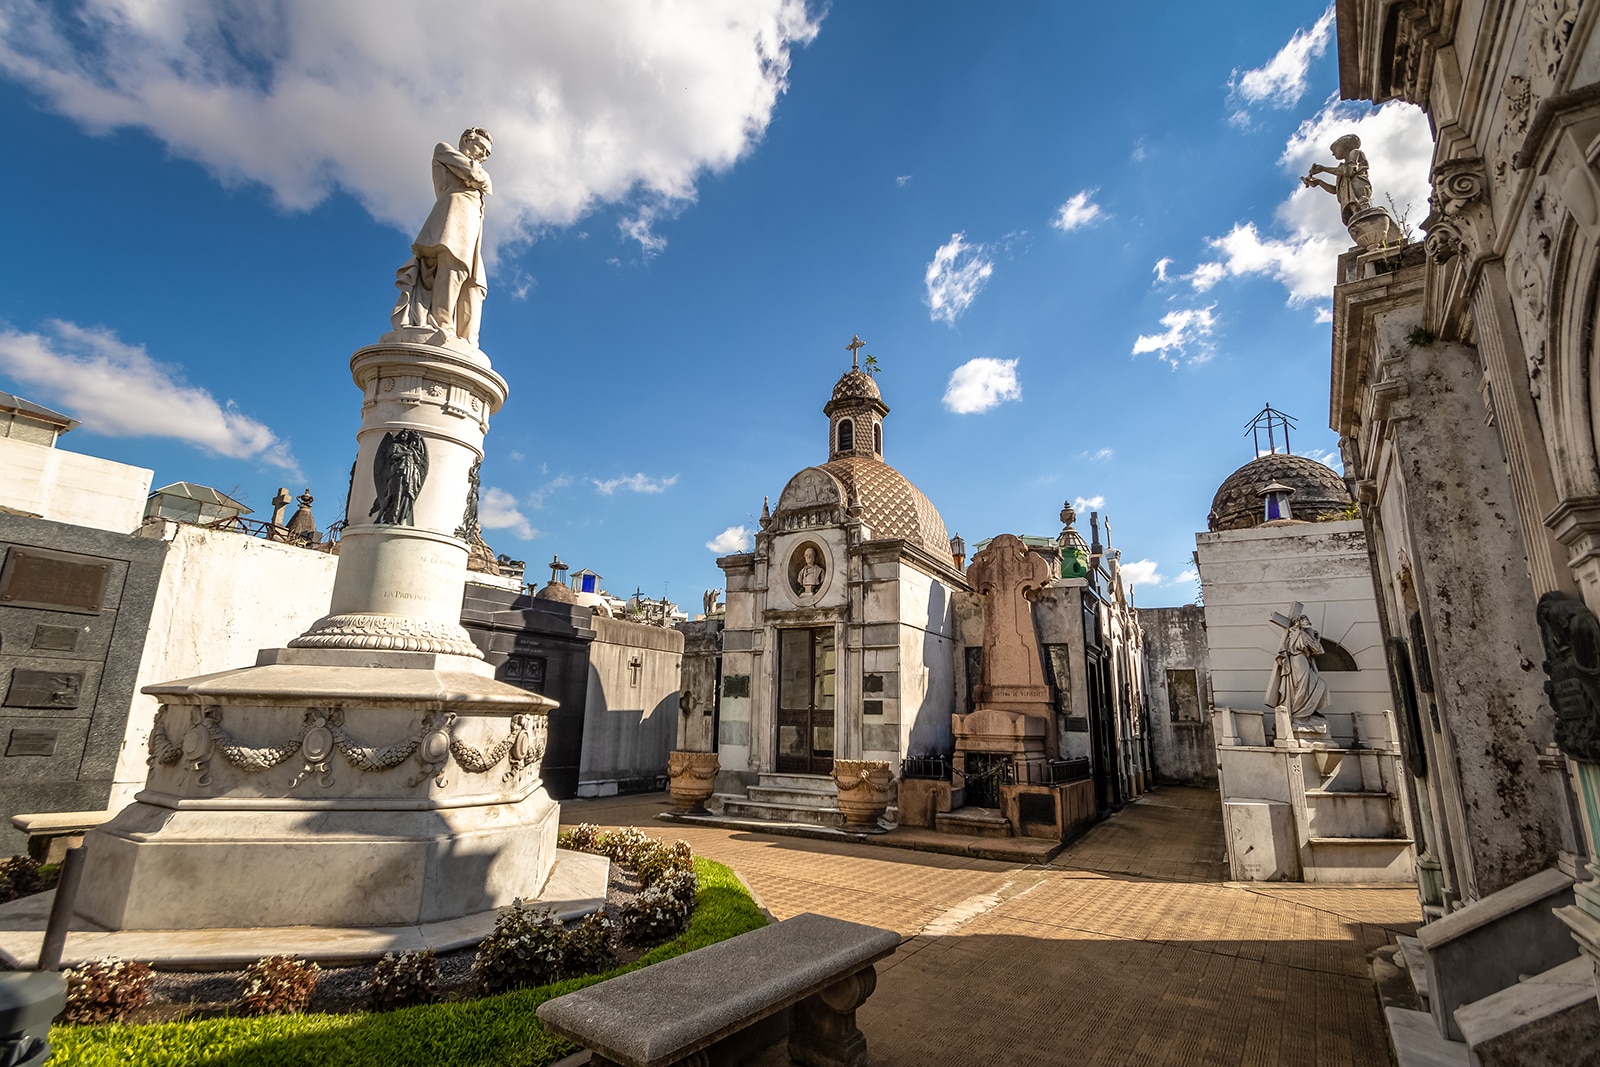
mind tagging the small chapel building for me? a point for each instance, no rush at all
(840, 635)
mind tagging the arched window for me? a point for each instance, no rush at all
(847, 435)
(1335, 657)
(877, 438)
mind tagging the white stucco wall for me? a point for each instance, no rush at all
(222, 597)
(70, 487)
(630, 719)
(1246, 575)
(927, 689)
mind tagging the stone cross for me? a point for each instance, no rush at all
(855, 345)
(1285, 621)
(280, 504)
(635, 665)
(1006, 573)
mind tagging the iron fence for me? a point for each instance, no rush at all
(932, 768)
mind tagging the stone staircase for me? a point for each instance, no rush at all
(791, 798)
(1350, 825)
(1499, 981)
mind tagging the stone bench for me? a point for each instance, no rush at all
(727, 1003)
(51, 833)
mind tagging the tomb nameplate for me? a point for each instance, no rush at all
(31, 743)
(56, 638)
(44, 689)
(1075, 724)
(54, 581)
(736, 685)
(872, 707)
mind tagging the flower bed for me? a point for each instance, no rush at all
(499, 1030)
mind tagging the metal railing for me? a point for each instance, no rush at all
(269, 532)
(1051, 772)
(932, 768)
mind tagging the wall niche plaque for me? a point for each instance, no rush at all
(56, 638)
(44, 689)
(31, 743)
(53, 581)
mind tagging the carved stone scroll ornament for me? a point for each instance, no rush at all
(1571, 636)
(322, 733)
(1459, 221)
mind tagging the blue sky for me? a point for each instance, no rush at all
(1072, 235)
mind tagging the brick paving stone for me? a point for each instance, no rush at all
(1130, 947)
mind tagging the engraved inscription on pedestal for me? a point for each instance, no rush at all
(31, 743)
(57, 581)
(44, 689)
(56, 638)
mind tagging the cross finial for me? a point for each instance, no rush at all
(556, 567)
(855, 346)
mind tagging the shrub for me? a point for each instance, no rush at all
(106, 989)
(403, 980)
(586, 949)
(21, 876)
(658, 858)
(661, 910)
(279, 985)
(524, 949)
(625, 845)
(585, 837)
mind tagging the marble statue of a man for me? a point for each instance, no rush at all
(811, 573)
(1296, 684)
(442, 286)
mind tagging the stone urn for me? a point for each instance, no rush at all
(863, 790)
(692, 777)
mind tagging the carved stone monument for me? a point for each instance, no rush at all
(1296, 689)
(373, 772)
(1370, 227)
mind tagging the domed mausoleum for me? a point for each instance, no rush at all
(840, 630)
(1314, 491)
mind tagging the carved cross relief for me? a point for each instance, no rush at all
(1007, 575)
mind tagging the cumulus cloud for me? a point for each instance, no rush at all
(733, 539)
(1099, 455)
(1141, 572)
(1282, 81)
(902, 181)
(537, 498)
(1160, 269)
(1184, 337)
(953, 278)
(634, 483)
(1187, 575)
(980, 384)
(497, 510)
(1088, 503)
(1399, 148)
(603, 101)
(116, 389)
(1324, 314)
(1079, 210)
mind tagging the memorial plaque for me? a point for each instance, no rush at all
(872, 707)
(56, 638)
(31, 743)
(736, 685)
(44, 689)
(55, 581)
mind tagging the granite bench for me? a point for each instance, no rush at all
(51, 833)
(734, 1001)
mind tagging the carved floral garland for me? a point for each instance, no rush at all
(322, 733)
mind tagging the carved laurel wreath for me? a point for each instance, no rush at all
(322, 733)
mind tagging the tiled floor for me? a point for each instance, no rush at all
(1130, 948)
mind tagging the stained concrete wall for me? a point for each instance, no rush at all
(72, 488)
(222, 597)
(63, 756)
(630, 720)
(1183, 748)
(701, 684)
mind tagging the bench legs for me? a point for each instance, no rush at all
(823, 1030)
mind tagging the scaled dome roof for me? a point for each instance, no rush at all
(856, 384)
(1318, 491)
(891, 506)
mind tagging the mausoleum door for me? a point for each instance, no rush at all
(805, 701)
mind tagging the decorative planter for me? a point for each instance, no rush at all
(693, 777)
(863, 790)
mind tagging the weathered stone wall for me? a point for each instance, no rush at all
(1182, 742)
(701, 684)
(60, 740)
(630, 721)
(69, 487)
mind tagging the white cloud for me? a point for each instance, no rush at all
(634, 483)
(537, 498)
(118, 390)
(1399, 148)
(1099, 455)
(1141, 572)
(1185, 328)
(953, 278)
(1282, 82)
(1324, 314)
(599, 102)
(1328, 457)
(980, 384)
(1078, 211)
(497, 510)
(1160, 269)
(1088, 503)
(733, 539)
(1186, 575)
(902, 181)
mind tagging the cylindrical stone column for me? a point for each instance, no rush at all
(402, 556)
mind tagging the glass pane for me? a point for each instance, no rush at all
(822, 741)
(794, 668)
(822, 643)
(791, 741)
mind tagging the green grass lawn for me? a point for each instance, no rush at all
(498, 1031)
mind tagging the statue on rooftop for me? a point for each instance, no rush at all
(1370, 227)
(1296, 684)
(442, 285)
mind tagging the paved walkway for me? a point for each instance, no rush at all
(1129, 948)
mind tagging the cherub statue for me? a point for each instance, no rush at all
(1352, 186)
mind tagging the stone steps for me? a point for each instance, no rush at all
(800, 798)
(1553, 1013)
(739, 807)
(1415, 962)
(977, 822)
(1361, 859)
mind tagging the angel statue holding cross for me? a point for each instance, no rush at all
(1296, 684)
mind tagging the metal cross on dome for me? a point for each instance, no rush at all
(855, 346)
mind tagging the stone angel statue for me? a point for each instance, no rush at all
(398, 471)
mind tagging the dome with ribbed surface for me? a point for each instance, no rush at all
(890, 505)
(1318, 491)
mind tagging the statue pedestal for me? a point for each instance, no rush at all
(330, 789)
